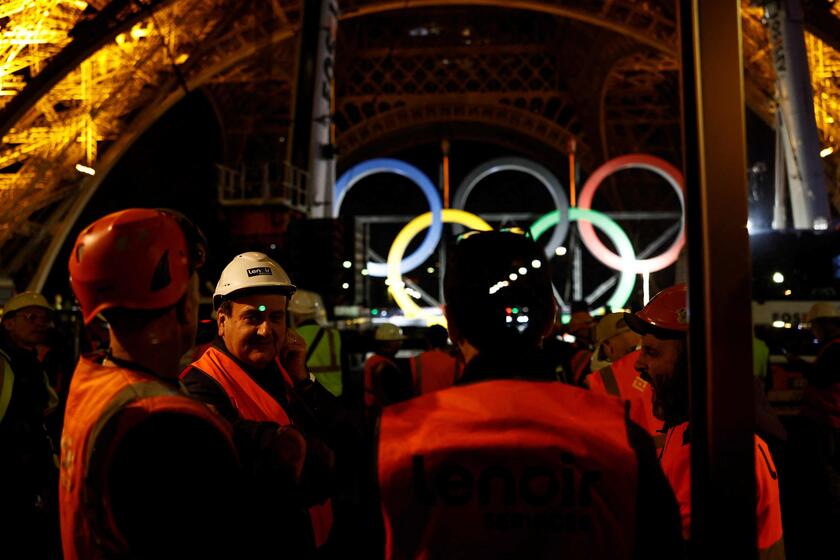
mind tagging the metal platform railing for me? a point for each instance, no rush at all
(267, 183)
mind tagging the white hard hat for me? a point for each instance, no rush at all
(305, 304)
(388, 332)
(26, 299)
(251, 272)
(823, 310)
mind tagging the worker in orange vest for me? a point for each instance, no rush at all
(663, 362)
(385, 382)
(436, 368)
(511, 462)
(617, 345)
(145, 469)
(256, 371)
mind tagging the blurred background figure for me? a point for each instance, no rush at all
(822, 397)
(439, 366)
(385, 382)
(324, 357)
(813, 458)
(580, 326)
(28, 470)
(618, 346)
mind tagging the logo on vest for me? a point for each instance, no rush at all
(259, 271)
(549, 496)
(640, 384)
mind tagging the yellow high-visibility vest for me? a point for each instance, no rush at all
(324, 360)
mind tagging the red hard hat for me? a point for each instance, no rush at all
(134, 259)
(666, 314)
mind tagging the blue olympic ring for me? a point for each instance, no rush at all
(398, 167)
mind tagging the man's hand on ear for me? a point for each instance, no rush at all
(293, 356)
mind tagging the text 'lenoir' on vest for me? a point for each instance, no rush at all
(530, 494)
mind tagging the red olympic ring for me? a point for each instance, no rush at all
(587, 232)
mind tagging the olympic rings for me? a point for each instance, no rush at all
(388, 165)
(627, 281)
(404, 237)
(543, 175)
(587, 232)
(625, 261)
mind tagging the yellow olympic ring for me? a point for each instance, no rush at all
(395, 282)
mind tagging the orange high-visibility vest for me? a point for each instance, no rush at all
(823, 405)
(507, 469)
(620, 379)
(372, 393)
(97, 394)
(252, 402)
(434, 370)
(675, 458)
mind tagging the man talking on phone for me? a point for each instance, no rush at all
(255, 372)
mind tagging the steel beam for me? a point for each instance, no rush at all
(723, 522)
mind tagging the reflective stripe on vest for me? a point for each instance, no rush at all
(628, 384)
(7, 382)
(97, 394)
(252, 402)
(434, 370)
(675, 459)
(610, 383)
(324, 356)
(558, 482)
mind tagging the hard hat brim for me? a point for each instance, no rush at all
(642, 327)
(272, 289)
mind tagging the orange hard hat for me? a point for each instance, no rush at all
(665, 316)
(135, 259)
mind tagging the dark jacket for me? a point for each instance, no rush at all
(314, 410)
(23, 437)
(27, 470)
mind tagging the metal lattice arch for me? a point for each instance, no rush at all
(144, 64)
(394, 126)
(80, 81)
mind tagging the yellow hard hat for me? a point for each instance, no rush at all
(609, 326)
(388, 332)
